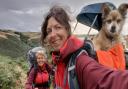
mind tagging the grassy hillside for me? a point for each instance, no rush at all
(13, 64)
(16, 44)
(12, 46)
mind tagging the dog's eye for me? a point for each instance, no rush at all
(119, 20)
(109, 21)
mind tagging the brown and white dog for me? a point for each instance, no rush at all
(109, 34)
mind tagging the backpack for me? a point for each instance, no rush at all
(31, 58)
(88, 48)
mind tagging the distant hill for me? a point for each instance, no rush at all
(16, 44)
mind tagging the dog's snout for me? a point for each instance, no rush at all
(113, 29)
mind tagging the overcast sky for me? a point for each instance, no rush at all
(27, 15)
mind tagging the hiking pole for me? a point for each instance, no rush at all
(91, 26)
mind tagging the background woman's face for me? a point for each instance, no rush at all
(57, 34)
(40, 59)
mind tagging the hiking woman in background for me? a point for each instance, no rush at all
(38, 78)
(56, 31)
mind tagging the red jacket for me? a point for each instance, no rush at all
(61, 60)
(41, 79)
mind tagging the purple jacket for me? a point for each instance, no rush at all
(92, 75)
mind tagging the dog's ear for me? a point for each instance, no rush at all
(123, 9)
(105, 10)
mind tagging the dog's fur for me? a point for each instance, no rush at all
(109, 34)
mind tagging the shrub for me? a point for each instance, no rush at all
(10, 76)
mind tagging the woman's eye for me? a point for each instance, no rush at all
(49, 31)
(57, 27)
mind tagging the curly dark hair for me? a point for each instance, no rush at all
(61, 16)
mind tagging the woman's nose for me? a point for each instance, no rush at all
(53, 33)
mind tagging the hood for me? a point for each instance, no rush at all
(70, 46)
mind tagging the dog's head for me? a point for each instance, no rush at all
(113, 20)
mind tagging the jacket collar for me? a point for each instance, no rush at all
(70, 46)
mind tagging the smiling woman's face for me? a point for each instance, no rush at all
(40, 59)
(57, 34)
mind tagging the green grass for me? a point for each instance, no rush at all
(9, 73)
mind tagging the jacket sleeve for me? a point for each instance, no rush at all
(92, 75)
(30, 79)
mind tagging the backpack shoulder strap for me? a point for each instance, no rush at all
(87, 48)
(72, 76)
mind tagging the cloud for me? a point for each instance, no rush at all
(22, 4)
(27, 15)
(17, 11)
